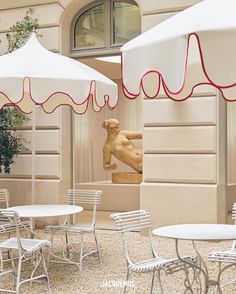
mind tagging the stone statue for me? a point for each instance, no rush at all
(119, 145)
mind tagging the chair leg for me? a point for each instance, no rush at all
(45, 271)
(1, 261)
(18, 275)
(96, 242)
(37, 263)
(50, 248)
(12, 262)
(126, 281)
(159, 280)
(153, 277)
(81, 251)
(67, 245)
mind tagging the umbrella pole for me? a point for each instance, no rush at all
(73, 155)
(33, 154)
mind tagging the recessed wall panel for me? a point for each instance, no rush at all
(194, 139)
(193, 111)
(47, 15)
(46, 141)
(46, 166)
(182, 168)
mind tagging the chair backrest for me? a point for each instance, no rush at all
(234, 212)
(136, 220)
(4, 198)
(87, 197)
(132, 221)
(234, 218)
(9, 221)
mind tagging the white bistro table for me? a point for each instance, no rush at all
(199, 232)
(45, 210)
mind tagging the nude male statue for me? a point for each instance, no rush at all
(119, 145)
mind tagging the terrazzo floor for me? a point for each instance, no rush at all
(109, 276)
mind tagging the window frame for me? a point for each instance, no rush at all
(109, 48)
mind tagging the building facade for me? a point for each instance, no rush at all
(184, 144)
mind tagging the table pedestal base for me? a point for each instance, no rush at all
(200, 269)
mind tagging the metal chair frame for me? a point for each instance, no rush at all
(27, 249)
(137, 221)
(78, 197)
(4, 197)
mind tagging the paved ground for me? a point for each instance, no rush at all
(109, 276)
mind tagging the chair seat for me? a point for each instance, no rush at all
(169, 265)
(223, 256)
(176, 264)
(148, 265)
(70, 228)
(81, 228)
(29, 245)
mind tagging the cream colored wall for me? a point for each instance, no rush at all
(231, 152)
(184, 147)
(53, 134)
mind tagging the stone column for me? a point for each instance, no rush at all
(185, 159)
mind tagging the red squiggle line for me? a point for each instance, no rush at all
(93, 82)
(168, 92)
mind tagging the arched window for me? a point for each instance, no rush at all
(104, 26)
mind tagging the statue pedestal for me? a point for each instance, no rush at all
(126, 178)
(116, 197)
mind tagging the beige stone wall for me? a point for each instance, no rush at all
(184, 147)
(184, 160)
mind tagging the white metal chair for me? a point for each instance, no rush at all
(136, 221)
(227, 256)
(4, 198)
(26, 249)
(89, 198)
(4, 203)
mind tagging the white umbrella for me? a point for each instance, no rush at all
(32, 75)
(196, 46)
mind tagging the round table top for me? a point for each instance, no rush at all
(46, 210)
(200, 232)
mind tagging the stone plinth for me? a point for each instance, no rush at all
(126, 178)
(116, 197)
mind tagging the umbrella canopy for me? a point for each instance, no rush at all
(33, 75)
(196, 46)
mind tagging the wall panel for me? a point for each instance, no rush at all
(44, 120)
(49, 39)
(180, 203)
(158, 6)
(46, 141)
(181, 168)
(47, 15)
(193, 111)
(47, 166)
(149, 21)
(198, 139)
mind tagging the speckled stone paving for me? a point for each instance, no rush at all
(109, 276)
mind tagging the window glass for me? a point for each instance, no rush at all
(126, 22)
(89, 28)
